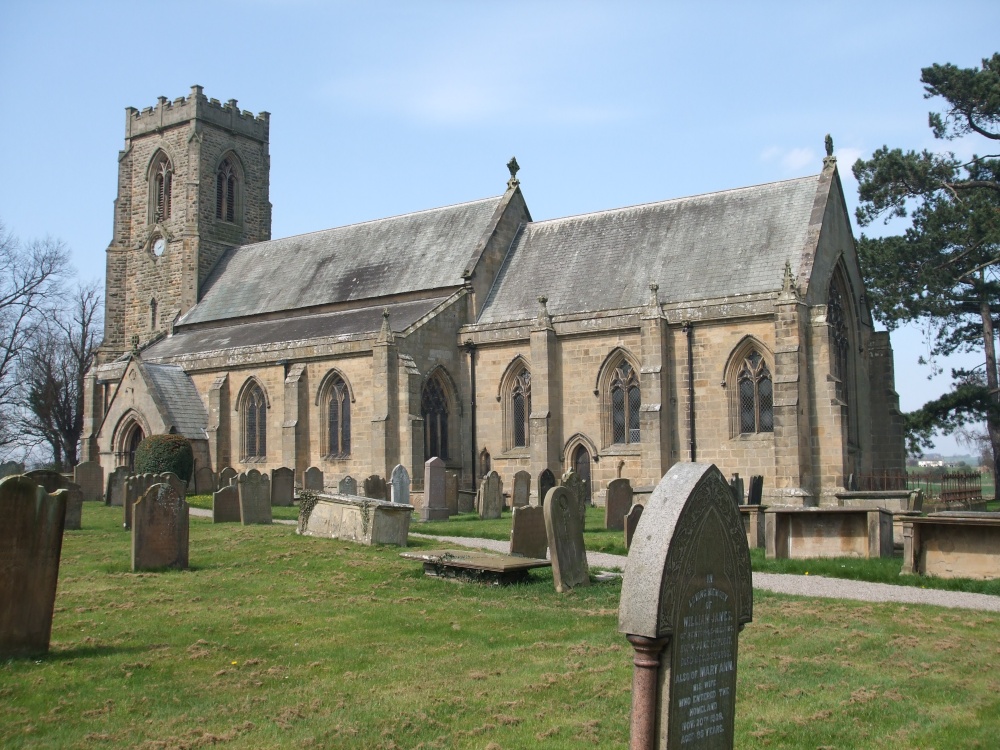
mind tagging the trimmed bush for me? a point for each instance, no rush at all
(159, 453)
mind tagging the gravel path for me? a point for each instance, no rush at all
(827, 588)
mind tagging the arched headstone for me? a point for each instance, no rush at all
(227, 476)
(204, 481)
(564, 530)
(226, 505)
(522, 489)
(400, 485)
(90, 476)
(546, 481)
(348, 486)
(282, 486)
(618, 502)
(575, 484)
(254, 492)
(491, 504)
(160, 529)
(527, 532)
(375, 487)
(115, 491)
(312, 479)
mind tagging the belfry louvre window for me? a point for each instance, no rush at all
(162, 177)
(254, 424)
(338, 420)
(225, 192)
(520, 409)
(625, 402)
(434, 409)
(756, 397)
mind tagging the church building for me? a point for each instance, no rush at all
(729, 328)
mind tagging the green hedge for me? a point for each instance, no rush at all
(159, 453)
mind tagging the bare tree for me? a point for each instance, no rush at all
(30, 278)
(51, 375)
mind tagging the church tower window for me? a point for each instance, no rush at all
(162, 177)
(225, 192)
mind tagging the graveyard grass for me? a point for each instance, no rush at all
(277, 640)
(286, 513)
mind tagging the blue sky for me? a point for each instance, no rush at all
(383, 108)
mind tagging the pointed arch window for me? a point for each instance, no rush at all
(840, 345)
(755, 395)
(625, 403)
(254, 424)
(520, 409)
(338, 419)
(434, 410)
(225, 192)
(160, 189)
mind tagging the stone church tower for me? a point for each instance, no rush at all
(193, 181)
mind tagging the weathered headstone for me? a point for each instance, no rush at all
(435, 506)
(686, 594)
(564, 530)
(756, 490)
(115, 491)
(491, 502)
(30, 545)
(575, 484)
(527, 533)
(227, 476)
(48, 480)
(546, 481)
(226, 505)
(522, 489)
(137, 485)
(254, 492)
(348, 486)
(374, 487)
(451, 491)
(204, 481)
(736, 485)
(160, 529)
(53, 481)
(400, 485)
(631, 523)
(312, 479)
(617, 504)
(90, 476)
(282, 486)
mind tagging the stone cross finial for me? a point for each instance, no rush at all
(788, 288)
(653, 298)
(385, 333)
(513, 166)
(828, 142)
(544, 319)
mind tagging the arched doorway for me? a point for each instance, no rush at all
(132, 439)
(581, 465)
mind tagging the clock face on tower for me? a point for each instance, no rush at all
(159, 245)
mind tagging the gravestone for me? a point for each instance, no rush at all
(53, 481)
(631, 522)
(527, 532)
(227, 476)
(575, 484)
(491, 502)
(401, 485)
(312, 479)
(30, 545)
(160, 525)
(374, 487)
(137, 485)
(226, 505)
(90, 476)
(736, 485)
(348, 486)
(546, 481)
(282, 486)
(686, 594)
(115, 491)
(617, 504)
(756, 490)
(254, 492)
(522, 489)
(451, 492)
(204, 481)
(435, 505)
(564, 530)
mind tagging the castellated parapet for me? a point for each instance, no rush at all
(196, 106)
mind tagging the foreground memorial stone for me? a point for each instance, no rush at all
(254, 491)
(282, 486)
(564, 529)
(53, 481)
(686, 594)
(160, 529)
(30, 547)
(435, 506)
(527, 532)
(358, 519)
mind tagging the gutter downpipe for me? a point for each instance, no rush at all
(689, 330)
(470, 348)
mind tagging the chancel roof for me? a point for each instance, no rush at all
(177, 399)
(704, 247)
(413, 252)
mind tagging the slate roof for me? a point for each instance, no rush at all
(704, 247)
(342, 324)
(175, 394)
(418, 251)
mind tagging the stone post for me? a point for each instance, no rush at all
(645, 679)
(294, 390)
(385, 398)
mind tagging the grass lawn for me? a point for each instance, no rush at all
(283, 512)
(277, 640)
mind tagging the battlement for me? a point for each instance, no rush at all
(196, 106)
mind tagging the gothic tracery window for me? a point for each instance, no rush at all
(254, 424)
(225, 192)
(755, 394)
(338, 419)
(839, 339)
(625, 403)
(434, 409)
(520, 409)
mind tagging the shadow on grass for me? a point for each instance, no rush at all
(75, 652)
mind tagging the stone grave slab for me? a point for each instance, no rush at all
(227, 476)
(114, 493)
(631, 523)
(756, 491)
(30, 547)
(470, 565)
(374, 487)
(435, 506)
(254, 493)
(160, 529)
(527, 533)
(357, 519)
(312, 479)
(90, 476)
(546, 481)
(348, 486)
(204, 481)
(282, 486)
(400, 485)
(617, 504)
(575, 484)
(491, 502)
(451, 492)
(564, 529)
(686, 594)
(226, 505)
(522, 490)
